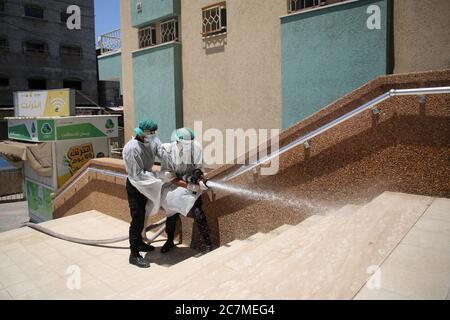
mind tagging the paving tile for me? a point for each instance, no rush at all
(379, 294)
(430, 234)
(4, 295)
(414, 285)
(21, 288)
(439, 210)
(11, 275)
(35, 294)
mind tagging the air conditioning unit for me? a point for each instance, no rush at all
(139, 7)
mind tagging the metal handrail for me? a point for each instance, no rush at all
(392, 93)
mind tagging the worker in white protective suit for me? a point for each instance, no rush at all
(181, 164)
(143, 186)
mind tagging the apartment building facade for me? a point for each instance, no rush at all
(266, 63)
(38, 51)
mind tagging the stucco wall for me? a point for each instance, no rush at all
(110, 68)
(421, 35)
(157, 87)
(327, 53)
(129, 43)
(233, 81)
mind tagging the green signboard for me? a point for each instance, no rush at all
(39, 200)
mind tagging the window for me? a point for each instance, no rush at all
(169, 31)
(72, 51)
(296, 5)
(72, 84)
(147, 37)
(35, 47)
(64, 16)
(4, 46)
(37, 84)
(2, 6)
(4, 82)
(214, 19)
(34, 11)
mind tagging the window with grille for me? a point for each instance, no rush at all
(169, 31)
(35, 47)
(71, 51)
(147, 37)
(296, 5)
(4, 82)
(37, 84)
(214, 19)
(34, 11)
(72, 84)
(4, 46)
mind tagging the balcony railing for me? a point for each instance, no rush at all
(298, 5)
(109, 42)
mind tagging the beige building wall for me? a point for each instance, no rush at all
(421, 35)
(233, 81)
(129, 43)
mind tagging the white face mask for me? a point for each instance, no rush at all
(150, 137)
(185, 150)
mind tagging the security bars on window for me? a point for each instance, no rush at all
(109, 42)
(4, 44)
(214, 19)
(146, 37)
(296, 5)
(169, 31)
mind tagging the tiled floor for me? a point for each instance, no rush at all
(35, 266)
(419, 268)
(414, 230)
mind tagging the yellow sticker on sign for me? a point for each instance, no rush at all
(57, 103)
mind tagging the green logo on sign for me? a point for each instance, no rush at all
(109, 124)
(46, 128)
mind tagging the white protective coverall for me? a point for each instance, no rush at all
(139, 159)
(176, 163)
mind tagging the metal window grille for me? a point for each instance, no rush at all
(169, 31)
(109, 42)
(72, 51)
(214, 19)
(34, 11)
(40, 48)
(296, 5)
(4, 46)
(147, 37)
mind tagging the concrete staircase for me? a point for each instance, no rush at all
(405, 238)
(324, 257)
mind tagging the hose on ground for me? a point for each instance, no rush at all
(101, 242)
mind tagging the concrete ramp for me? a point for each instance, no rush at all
(394, 247)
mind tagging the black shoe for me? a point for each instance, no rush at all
(144, 247)
(138, 261)
(167, 246)
(208, 248)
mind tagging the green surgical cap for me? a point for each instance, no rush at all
(148, 125)
(192, 132)
(182, 134)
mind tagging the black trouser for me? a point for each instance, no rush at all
(136, 202)
(199, 218)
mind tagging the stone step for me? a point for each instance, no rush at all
(337, 264)
(161, 281)
(242, 264)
